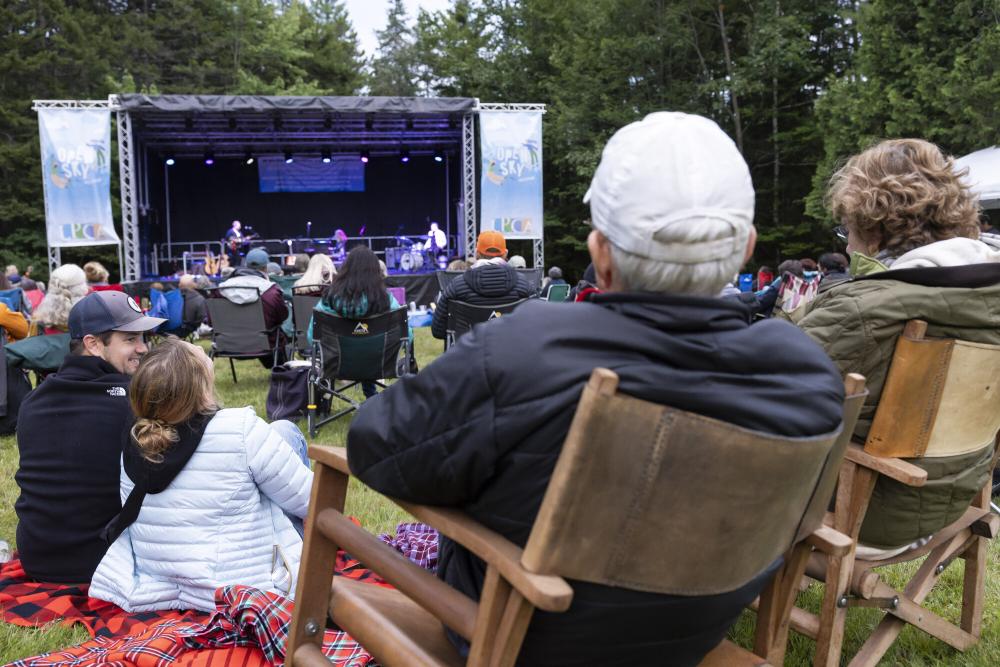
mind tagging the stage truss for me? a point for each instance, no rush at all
(130, 260)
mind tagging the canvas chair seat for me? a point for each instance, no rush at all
(689, 481)
(354, 350)
(940, 399)
(239, 330)
(462, 316)
(302, 312)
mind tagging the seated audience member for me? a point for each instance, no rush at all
(586, 285)
(916, 253)
(986, 225)
(211, 496)
(96, 273)
(357, 290)
(833, 265)
(274, 269)
(69, 438)
(517, 262)
(67, 285)
(554, 277)
(256, 285)
(12, 322)
(195, 312)
(301, 263)
(481, 428)
(318, 274)
(11, 272)
(490, 283)
(458, 265)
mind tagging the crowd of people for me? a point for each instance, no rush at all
(134, 479)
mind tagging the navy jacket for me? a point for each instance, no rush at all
(69, 436)
(481, 429)
(488, 285)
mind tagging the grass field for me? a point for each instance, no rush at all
(377, 515)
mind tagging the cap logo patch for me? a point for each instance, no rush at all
(133, 305)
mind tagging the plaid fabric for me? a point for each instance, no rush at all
(30, 603)
(416, 541)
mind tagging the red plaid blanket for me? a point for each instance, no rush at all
(248, 628)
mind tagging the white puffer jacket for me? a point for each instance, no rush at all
(219, 522)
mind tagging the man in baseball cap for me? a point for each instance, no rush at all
(69, 436)
(672, 208)
(249, 283)
(490, 282)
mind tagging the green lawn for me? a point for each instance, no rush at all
(377, 515)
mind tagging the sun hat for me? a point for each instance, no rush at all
(673, 187)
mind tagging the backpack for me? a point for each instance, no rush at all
(288, 393)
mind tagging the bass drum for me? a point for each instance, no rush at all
(411, 261)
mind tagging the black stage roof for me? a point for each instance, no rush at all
(234, 125)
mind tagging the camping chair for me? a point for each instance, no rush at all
(462, 315)
(940, 399)
(238, 330)
(302, 312)
(605, 518)
(557, 292)
(358, 350)
(445, 277)
(533, 277)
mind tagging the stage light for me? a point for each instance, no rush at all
(326, 157)
(248, 157)
(170, 161)
(369, 122)
(364, 156)
(409, 123)
(288, 157)
(209, 158)
(404, 156)
(327, 123)
(232, 123)
(438, 156)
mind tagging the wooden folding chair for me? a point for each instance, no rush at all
(941, 398)
(642, 468)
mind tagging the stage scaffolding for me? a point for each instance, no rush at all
(271, 110)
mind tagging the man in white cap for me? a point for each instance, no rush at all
(69, 436)
(481, 428)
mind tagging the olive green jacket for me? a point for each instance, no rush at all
(857, 322)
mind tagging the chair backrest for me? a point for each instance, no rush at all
(941, 397)
(533, 278)
(557, 292)
(237, 329)
(365, 348)
(462, 315)
(651, 498)
(302, 312)
(398, 293)
(445, 277)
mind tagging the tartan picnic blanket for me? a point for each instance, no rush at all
(248, 628)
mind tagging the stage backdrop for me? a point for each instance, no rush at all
(511, 182)
(397, 199)
(76, 176)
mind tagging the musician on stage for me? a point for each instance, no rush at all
(338, 249)
(233, 242)
(436, 239)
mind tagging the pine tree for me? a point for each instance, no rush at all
(393, 69)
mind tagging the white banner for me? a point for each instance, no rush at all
(76, 176)
(511, 183)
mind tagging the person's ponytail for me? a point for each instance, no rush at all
(153, 437)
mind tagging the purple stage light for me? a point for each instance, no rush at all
(364, 156)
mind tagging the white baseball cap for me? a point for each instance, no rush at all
(673, 187)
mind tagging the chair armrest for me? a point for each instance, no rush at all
(546, 592)
(332, 457)
(897, 469)
(829, 541)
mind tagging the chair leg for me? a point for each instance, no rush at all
(232, 367)
(974, 585)
(511, 630)
(319, 555)
(311, 411)
(776, 602)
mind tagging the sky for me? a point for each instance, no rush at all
(367, 16)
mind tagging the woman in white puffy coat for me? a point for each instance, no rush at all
(211, 496)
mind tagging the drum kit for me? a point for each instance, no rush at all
(410, 255)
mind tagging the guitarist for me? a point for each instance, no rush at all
(234, 240)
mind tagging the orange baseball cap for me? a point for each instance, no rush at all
(491, 244)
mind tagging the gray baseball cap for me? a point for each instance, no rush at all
(109, 310)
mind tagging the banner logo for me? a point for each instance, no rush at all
(511, 183)
(76, 176)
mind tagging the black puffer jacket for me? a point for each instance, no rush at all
(488, 285)
(481, 429)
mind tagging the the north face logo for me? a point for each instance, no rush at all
(361, 329)
(116, 391)
(495, 314)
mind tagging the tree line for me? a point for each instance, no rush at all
(798, 84)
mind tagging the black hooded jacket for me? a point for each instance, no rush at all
(488, 285)
(69, 436)
(481, 429)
